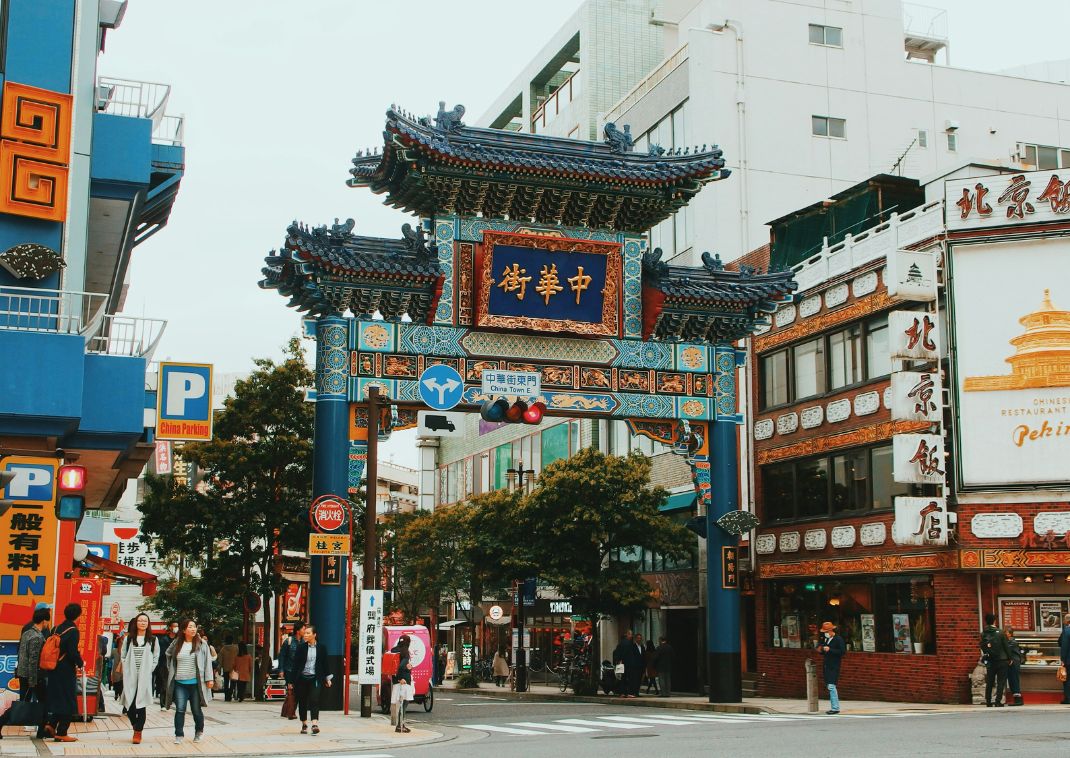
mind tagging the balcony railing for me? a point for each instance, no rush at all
(653, 79)
(558, 100)
(899, 231)
(79, 313)
(128, 97)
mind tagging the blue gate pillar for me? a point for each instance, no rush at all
(328, 575)
(722, 589)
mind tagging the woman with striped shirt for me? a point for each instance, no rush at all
(189, 678)
(140, 655)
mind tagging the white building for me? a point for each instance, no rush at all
(806, 98)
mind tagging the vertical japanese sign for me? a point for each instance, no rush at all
(916, 396)
(369, 663)
(29, 534)
(88, 592)
(729, 568)
(163, 457)
(920, 521)
(913, 335)
(918, 458)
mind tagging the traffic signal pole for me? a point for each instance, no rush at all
(372, 478)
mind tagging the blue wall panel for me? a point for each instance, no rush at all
(122, 150)
(41, 375)
(113, 397)
(40, 41)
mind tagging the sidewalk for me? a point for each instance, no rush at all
(231, 729)
(694, 702)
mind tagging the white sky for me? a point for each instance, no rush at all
(278, 95)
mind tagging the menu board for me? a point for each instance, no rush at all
(1018, 614)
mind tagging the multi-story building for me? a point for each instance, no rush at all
(91, 166)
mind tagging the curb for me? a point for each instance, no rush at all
(606, 700)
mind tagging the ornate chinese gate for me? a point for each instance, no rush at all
(530, 256)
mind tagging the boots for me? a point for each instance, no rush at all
(137, 738)
(1017, 700)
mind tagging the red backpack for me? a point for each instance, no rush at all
(50, 655)
(390, 663)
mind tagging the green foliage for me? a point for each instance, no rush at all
(197, 597)
(467, 681)
(257, 475)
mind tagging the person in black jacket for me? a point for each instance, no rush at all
(631, 655)
(402, 677)
(1014, 668)
(833, 649)
(997, 653)
(310, 676)
(62, 681)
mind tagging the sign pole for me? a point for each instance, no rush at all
(349, 617)
(372, 478)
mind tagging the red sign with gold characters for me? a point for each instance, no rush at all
(35, 149)
(88, 592)
(729, 568)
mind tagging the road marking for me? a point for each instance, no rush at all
(555, 727)
(590, 722)
(660, 721)
(503, 729)
(698, 718)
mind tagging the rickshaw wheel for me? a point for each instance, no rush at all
(429, 699)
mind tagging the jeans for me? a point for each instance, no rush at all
(308, 698)
(995, 673)
(1014, 680)
(834, 698)
(191, 694)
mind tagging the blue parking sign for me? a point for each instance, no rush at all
(441, 387)
(184, 402)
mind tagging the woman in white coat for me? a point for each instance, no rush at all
(140, 656)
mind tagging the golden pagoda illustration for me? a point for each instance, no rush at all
(1042, 357)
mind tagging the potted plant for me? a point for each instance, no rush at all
(921, 631)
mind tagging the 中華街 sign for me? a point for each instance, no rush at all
(1012, 352)
(512, 383)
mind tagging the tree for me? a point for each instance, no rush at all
(197, 597)
(584, 512)
(257, 473)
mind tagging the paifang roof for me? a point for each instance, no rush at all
(328, 270)
(441, 166)
(707, 303)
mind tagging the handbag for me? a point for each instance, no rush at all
(234, 675)
(1061, 673)
(289, 705)
(26, 713)
(618, 670)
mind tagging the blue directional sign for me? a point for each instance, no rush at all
(184, 402)
(441, 387)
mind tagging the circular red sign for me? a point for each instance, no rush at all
(328, 513)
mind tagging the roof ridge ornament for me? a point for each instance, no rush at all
(619, 141)
(655, 150)
(415, 240)
(449, 121)
(654, 266)
(712, 263)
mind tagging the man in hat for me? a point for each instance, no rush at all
(833, 649)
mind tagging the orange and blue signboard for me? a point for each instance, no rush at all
(29, 532)
(184, 402)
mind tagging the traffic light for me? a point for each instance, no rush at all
(519, 412)
(70, 505)
(5, 479)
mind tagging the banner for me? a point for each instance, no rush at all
(88, 592)
(370, 637)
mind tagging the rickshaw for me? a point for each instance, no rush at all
(421, 659)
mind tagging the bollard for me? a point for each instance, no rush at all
(811, 686)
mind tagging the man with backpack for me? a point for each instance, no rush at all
(833, 649)
(31, 678)
(995, 654)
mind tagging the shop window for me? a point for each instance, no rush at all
(845, 357)
(872, 614)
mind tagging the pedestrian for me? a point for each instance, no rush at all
(242, 673)
(287, 657)
(189, 679)
(650, 671)
(500, 667)
(402, 681)
(63, 680)
(1014, 668)
(28, 669)
(227, 654)
(1064, 655)
(663, 665)
(833, 649)
(161, 670)
(629, 654)
(996, 654)
(311, 676)
(140, 655)
(441, 659)
(213, 656)
(116, 674)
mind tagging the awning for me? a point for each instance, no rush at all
(453, 623)
(679, 501)
(115, 570)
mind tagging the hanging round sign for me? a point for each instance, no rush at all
(328, 513)
(496, 613)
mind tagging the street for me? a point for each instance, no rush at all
(552, 729)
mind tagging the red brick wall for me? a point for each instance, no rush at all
(940, 678)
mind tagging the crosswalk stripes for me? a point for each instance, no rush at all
(674, 719)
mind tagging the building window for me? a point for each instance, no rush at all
(827, 126)
(923, 138)
(1045, 157)
(884, 614)
(848, 482)
(878, 361)
(845, 357)
(673, 235)
(809, 368)
(952, 142)
(775, 379)
(831, 36)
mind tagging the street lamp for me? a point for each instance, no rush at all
(519, 473)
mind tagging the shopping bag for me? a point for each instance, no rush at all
(26, 713)
(1061, 674)
(289, 705)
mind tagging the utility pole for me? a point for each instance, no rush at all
(372, 479)
(521, 617)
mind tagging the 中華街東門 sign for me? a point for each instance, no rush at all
(1011, 199)
(1011, 305)
(548, 284)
